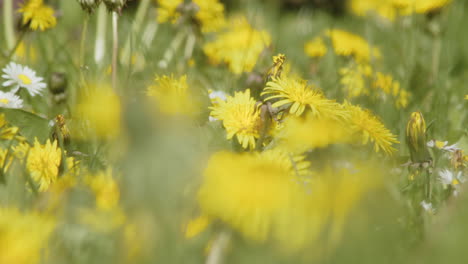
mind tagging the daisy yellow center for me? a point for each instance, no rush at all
(25, 79)
(4, 101)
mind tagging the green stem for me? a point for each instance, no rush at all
(437, 45)
(8, 23)
(115, 47)
(99, 47)
(18, 42)
(136, 28)
(173, 47)
(83, 41)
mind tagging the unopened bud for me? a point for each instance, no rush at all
(115, 5)
(416, 138)
(57, 83)
(89, 5)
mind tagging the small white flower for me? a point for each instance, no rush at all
(442, 145)
(448, 178)
(21, 76)
(217, 94)
(10, 100)
(427, 207)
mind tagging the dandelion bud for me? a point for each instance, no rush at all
(416, 138)
(58, 83)
(89, 5)
(115, 5)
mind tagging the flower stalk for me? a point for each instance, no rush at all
(8, 23)
(115, 47)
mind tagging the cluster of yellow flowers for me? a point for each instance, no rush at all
(390, 9)
(239, 47)
(360, 79)
(344, 44)
(208, 13)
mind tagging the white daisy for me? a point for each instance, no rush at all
(449, 178)
(427, 207)
(10, 100)
(21, 76)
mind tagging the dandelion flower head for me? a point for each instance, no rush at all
(239, 47)
(369, 128)
(298, 96)
(173, 96)
(240, 116)
(43, 163)
(348, 44)
(38, 15)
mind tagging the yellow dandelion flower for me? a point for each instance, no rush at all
(38, 15)
(354, 79)
(167, 10)
(388, 85)
(43, 163)
(101, 111)
(239, 47)
(297, 96)
(173, 96)
(387, 9)
(240, 116)
(315, 48)
(369, 128)
(210, 14)
(429, 6)
(23, 236)
(105, 189)
(20, 151)
(348, 44)
(296, 136)
(277, 68)
(249, 191)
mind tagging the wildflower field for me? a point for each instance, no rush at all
(235, 131)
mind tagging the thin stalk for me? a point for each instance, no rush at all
(219, 247)
(99, 47)
(8, 23)
(136, 28)
(115, 48)
(149, 33)
(18, 42)
(436, 47)
(173, 47)
(83, 40)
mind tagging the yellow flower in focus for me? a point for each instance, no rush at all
(23, 236)
(101, 109)
(239, 47)
(249, 191)
(167, 10)
(369, 128)
(240, 116)
(196, 226)
(302, 134)
(105, 189)
(210, 14)
(348, 44)
(315, 48)
(43, 163)
(38, 15)
(173, 96)
(298, 96)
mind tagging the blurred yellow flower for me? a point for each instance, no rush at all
(105, 188)
(354, 79)
(348, 44)
(173, 96)
(210, 14)
(239, 47)
(167, 10)
(23, 235)
(249, 190)
(43, 163)
(369, 128)
(101, 111)
(240, 116)
(316, 47)
(302, 134)
(297, 95)
(38, 15)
